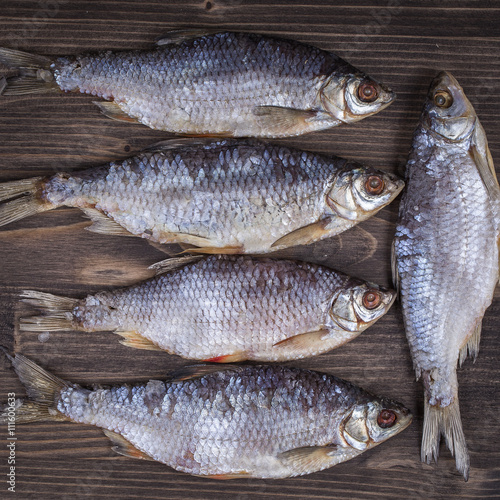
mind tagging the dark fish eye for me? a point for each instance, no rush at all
(374, 184)
(367, 92)
(386, 419)
(371, 299)
(443, 99)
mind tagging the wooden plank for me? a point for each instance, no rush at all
(401, 43)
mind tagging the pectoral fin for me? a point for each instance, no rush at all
(104, 224)
(481, 155)
(304, 344)
(124, 447)
(113, 111)
(287, 121)
(305, 235)
(133, 339)
(176, 37)
(312, 458)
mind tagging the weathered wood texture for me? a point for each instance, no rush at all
(401, 43)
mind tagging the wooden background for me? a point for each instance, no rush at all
(401, 43)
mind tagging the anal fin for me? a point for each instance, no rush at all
(103, 224)
(229, 250)
(228, 358)
(224, 477)
(133, 339)
(304, 235)
(113, 111)
(471, 347)
(124, 447)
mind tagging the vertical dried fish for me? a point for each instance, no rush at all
(446, 254)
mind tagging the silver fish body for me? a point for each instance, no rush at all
(249, 421)
(231, 84)
(446, 254)
(224, 196)
(226, 309)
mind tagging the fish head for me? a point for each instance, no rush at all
(447, 111)
(359, 304)
(351, 96)
(359, 192)
(373, 422)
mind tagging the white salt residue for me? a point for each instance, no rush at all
(43, 337)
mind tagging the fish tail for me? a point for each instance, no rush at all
(444, 421)
(58, 312)
(43, 391)
(35, 75)
(26, 202)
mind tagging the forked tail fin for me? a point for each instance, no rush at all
(58, 317)
(35, 76)
(43, 390)
(23, 200)
(445, 421)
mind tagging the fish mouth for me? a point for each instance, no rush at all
(387, 96)
(405, 418)
(444, 79)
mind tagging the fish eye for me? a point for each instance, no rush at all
(367, 92)
(443, 99)
(371, 299)
(386, 419)
(374, 184)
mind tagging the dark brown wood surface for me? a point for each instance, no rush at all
(401, 43)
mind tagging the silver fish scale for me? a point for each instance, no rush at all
(229, 193)
(235, 420)
(447, 220)
(211, 83)
(220, 306)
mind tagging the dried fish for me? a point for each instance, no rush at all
(223, 197)
(446, 254)
(225, 309)
(201, 82)
(232, 422)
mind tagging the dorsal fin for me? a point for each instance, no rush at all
(188, 142)
(176, 37)
(174, 263)
(192, 372)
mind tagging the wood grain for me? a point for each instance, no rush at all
(401, 43)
